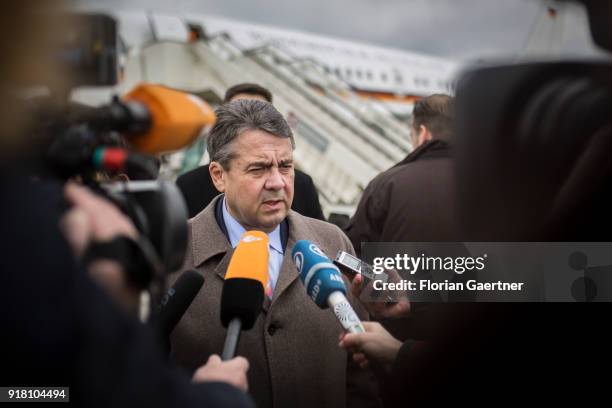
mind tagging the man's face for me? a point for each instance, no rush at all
(258, 185)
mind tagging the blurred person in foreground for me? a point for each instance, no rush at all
(520, 352)
(65, 323)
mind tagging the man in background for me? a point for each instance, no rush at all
(413, 200)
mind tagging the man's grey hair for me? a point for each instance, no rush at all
(236, 117)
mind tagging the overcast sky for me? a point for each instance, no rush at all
(457, 29)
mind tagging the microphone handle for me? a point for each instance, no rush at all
(344, 312)
(231, 339)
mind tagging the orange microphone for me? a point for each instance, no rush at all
(242, 296)
(250, 258)
(153, 119)
(175, 118)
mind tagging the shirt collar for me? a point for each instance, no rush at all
(235, 231)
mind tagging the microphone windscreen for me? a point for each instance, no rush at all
(245, 280)
(176, 301)
(177, 118)
(319, 275)
(250, 258)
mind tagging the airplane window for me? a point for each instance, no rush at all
(359, 74)
(349, 73)
(369, 75)
(383, 76)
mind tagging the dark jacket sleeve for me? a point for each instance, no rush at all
(366, 224)
(129, 362)
(59, 328)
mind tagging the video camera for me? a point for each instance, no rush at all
(534, 146)
(97, 145)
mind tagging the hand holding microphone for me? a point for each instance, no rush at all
(92, 219)
(233, 372)
(324, 283)
(375, 343)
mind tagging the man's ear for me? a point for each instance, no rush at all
(424, 135)
(217, 174)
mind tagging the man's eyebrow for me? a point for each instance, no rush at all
(268, 163)
(261, 163)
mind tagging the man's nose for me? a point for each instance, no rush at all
(275, 180)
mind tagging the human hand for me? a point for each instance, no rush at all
(379, 309)
(375, 343)
(94, 219)
(232, 372)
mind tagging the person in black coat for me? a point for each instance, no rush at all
(197, 186)
(60, 328)
(413, 201)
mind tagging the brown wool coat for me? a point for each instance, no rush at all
(293, 348)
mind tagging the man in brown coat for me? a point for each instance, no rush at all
(293, 348)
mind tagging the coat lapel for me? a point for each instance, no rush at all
(208, 240)
(288, 273)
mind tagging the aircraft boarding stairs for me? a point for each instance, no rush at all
(341, 140)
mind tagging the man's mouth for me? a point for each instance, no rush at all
(273, 204)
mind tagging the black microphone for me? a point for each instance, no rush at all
(175, 303)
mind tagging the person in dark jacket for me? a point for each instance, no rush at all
(413, 200)
(197, 186)
(61, 328)
(61, 323)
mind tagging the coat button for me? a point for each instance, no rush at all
(272, 328)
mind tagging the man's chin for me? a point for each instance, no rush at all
(270, 220)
